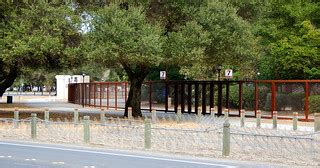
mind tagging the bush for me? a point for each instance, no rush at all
(280, 101)
(314, 104)
(296, 100)
(248, 101)
(247, 97)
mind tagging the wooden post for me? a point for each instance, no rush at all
(242, 116)
(295, 121)
(147, 134)
(316, 122)
(16, 118)
(46, 117)
(258, 118)
(199, 114)
(275, 118)
(33, 125)
(212, 112)
(226, 113)
(102, 116)
(154, 116)
(226, 139)
(129, 113)
(76, 116)
(169, 102)
(16, 114)
(86, 129)
(179, 115)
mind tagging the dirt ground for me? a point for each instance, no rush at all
(28, 104)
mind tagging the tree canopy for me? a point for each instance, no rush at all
(36, 35)
(125, 38)
(288, 33)
(231, 41)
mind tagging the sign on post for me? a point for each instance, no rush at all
(228, 73)
(163, 74)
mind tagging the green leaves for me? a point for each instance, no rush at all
(298, 56)
(186, 45)
(125, 37)
(289, 36)
(38, 35)
(230, 40)
(197, 38)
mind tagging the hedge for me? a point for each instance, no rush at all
(314, 104)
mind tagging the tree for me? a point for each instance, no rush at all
(298, 56)
(287, 33)
(36, 35)
(35, 77)
(127, 39)
(231, 44)
(124, 38)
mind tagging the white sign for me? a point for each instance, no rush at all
(228, 73)
(163, 74)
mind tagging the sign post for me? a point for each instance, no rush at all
(163, 75)
(228, 73)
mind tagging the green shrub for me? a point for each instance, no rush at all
(314, 104)
(280, 101)
(248, 101)
(247, 96)
(296, 100)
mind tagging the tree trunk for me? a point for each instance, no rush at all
(8, 80)
(136, 75)
(134, 97)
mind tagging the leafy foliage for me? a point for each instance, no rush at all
(39, 35)
(124, 38)
(231, 41)
(314, 104)
(36, 35)
(298, 54)
(290, 37)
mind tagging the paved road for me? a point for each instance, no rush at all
(30, 155)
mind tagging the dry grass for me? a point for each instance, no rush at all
(5, 106)
(169, 137)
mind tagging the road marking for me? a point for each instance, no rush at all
(57, 162)
(118, 154)
(26, 159)
(1, 156)
(33, 159)
(9, 156)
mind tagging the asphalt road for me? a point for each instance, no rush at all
(32, 155)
